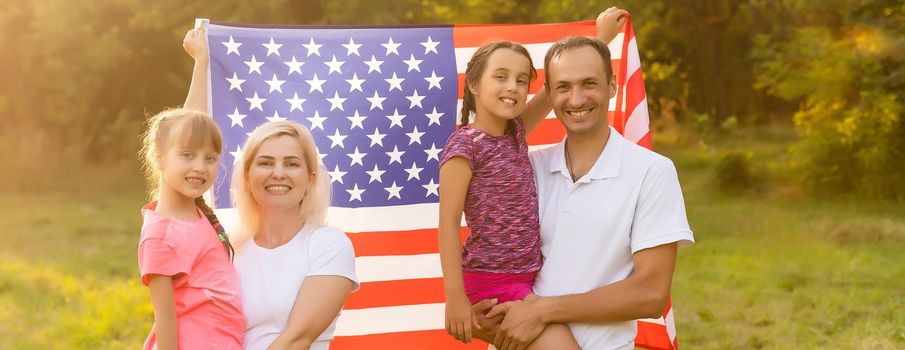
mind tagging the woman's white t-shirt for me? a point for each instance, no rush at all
(272, 278)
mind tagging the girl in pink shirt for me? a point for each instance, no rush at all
(183, 254)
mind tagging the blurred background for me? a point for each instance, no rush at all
(784, 118)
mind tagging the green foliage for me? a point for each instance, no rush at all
(734, 171)
(846, 68)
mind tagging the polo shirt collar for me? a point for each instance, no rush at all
(607, 165)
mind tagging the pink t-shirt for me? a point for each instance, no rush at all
(501, 203)
(208, 305)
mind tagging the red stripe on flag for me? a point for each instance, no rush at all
(397, 293)
(646, 142)
(434, 340)
(549, 131)
(652, 336)
(474, 35)
(397, 242)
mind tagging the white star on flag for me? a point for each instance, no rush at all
(351, 48)
(396, 118)
(237, 154)
(336, 175)
(430, 45)
(254, 65)
(376, 101)
(317, 122)
(395, 82)
(391, 47)
(275, 84)
(313, 48)
(256, 102)
(295, 102)
(355, 193)
(294, 66)
(276, 117)
(272, 47)
(415, 136)
(432, 188)
(334, 65)
(374, 65)
(236, 118)
(355, 83)
(376, 138)
(232, 46)
(414, 172)
(394, 191)
(434, 81)
(357, 120)
(434, 117)
(337, 139)
(413, 64)
(357, 157)
(433, 152)
(376, 174)
(396, 155)
(336, 102)
(415, 99)
(235, 82)
(315, 84)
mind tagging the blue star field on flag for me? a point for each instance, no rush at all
(380, 103)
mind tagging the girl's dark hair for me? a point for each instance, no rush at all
(218, 228)
(475, 70)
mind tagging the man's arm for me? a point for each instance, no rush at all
(642, 294)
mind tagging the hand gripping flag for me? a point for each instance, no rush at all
(381, 102)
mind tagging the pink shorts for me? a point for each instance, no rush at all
(503, 286)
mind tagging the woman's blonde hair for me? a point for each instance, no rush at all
(313, 206)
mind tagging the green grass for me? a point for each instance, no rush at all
(772, 268)
(68, 271)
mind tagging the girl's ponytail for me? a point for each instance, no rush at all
(218, 228)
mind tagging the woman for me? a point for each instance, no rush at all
(295, 271)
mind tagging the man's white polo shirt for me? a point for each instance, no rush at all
(630, 200)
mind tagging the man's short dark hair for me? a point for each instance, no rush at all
(574, 42)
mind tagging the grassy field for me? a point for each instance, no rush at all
(772, 268)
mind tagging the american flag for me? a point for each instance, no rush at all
(381, 102)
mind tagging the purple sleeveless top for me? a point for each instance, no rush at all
(501, 203)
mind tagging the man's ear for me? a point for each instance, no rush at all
(612, 87)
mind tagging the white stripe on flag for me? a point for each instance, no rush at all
(397, 267)
(670, 325)
(658, 321)
(392, 319)
(371, 219)
(634, 62)
(615, 46)
(637, 124)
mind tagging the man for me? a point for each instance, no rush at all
(611, 212)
